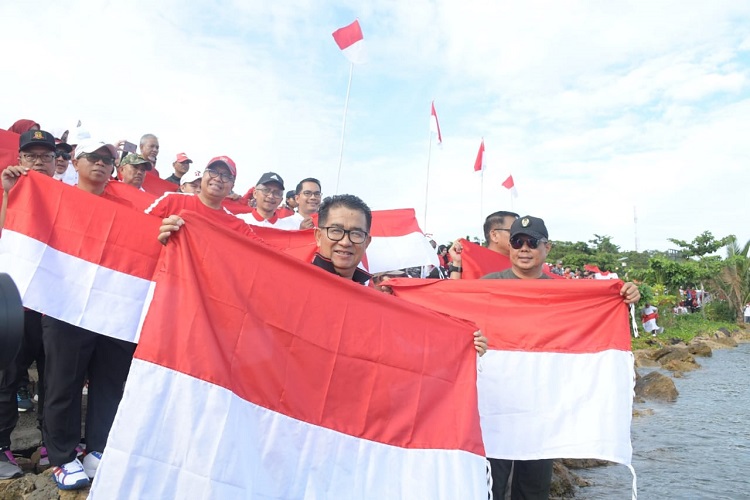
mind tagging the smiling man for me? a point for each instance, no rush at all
(268, 193)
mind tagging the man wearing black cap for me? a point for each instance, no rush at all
(269, 191)
(63, 153)
(529, 246)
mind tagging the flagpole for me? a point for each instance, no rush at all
(343, 126)
(427, 184)
(481, 194)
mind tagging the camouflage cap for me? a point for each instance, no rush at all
(135, 159)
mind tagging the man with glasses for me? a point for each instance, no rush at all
(268, 193)
(62, 159)
(307, 196)
(496, 234)
(216, 184)
(529, 246)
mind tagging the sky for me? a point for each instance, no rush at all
(603, 112)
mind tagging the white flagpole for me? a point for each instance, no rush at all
(427, 183)
(343, 126)
(481, 194)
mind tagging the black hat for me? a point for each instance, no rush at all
(271, 177)
(530, 226)
(36, 138)
(64, 146)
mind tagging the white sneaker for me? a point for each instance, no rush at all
(91, 463)
(70, 476)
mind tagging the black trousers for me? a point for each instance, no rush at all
(12, 378)
(72, 354)
(531, 478)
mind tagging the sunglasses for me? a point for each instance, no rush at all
(63, 154)
(94, 157)
(517, 242)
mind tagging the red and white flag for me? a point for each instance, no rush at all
(435, 124)
(341, 392)
(558, 378)
(351, 42)
(509, 184)
(479, 162)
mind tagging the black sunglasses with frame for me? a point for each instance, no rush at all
(517, 242)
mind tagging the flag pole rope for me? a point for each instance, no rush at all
(343, 126)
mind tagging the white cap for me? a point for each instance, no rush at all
(191, 176)
(91, 145)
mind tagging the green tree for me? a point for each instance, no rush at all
(733, 280)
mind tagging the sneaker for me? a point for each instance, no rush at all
(91, 463)
(70, 476)
(24, 400)
(9, 468)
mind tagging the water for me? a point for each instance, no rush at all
(695, 448)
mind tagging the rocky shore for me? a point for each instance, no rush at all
(671, 356)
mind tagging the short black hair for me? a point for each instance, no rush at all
(494, 219)
(298, 189)
(289, 194)
(343, 200)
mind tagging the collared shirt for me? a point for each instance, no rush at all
(254, 218)
(360, 276)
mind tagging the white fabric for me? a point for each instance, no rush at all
(74, 290)
(290, 223)
(388, 253)
(553, 407)
(184, 438)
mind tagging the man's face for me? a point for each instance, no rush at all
(344, 254)
(219, 187)
(181, 167)
(268, 196)
(529, 259)
(95, 167)
(308, 199)
(61, 164)
(191, 187)
(133, 174)
(500, 236)
(291, 202)
(150, 149)
(38, 158)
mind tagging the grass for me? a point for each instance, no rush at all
(683, 327)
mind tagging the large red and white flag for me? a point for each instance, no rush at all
(351, 42)
(435, 124)
(479, 163)
(510, 185)
(558, 378)
(78, 257)
(339, 392)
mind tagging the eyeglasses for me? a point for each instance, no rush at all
(311, 194)
(63, 154)
(213, 174)
(93, 158)
(517, 242)
(273, 192)
(44, 157)
(500, 229)
(337, 234)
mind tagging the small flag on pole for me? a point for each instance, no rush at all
(351, 42)
(479, 162)
(434, 124)
(508, 184)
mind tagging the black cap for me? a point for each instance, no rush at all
(64, 146)
(530, 226)
(271, 177)
(36, 138)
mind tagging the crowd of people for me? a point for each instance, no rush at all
(69, 357)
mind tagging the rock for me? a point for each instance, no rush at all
(643, 413)
(584, 463)
(644, 358)
(721, 343)
(656, 386)
(17, 488)
(564, 482)
(676, 358)
(677, 366)
(700, 349)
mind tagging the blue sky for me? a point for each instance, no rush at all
(595, 108)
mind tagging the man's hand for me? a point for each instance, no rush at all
(11, 176)
(480, 342)
(455, 253)
(170, 225)
(630, 293)
(307, 223)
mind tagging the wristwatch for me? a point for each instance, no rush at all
(454, 269)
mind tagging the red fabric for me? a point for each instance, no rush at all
(478, 261)
(398, 222)
(342, 356)
(479, 162)
(239, 206)
(508, 183)
(435, 122)
(156, 186)
(22, 126)
(591, 268)
(116, 236)
(9, 142)
(141, 200)
(571, 316)
(649, 317)
(348, 35)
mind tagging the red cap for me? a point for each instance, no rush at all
(182, 158)
(226, 161)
